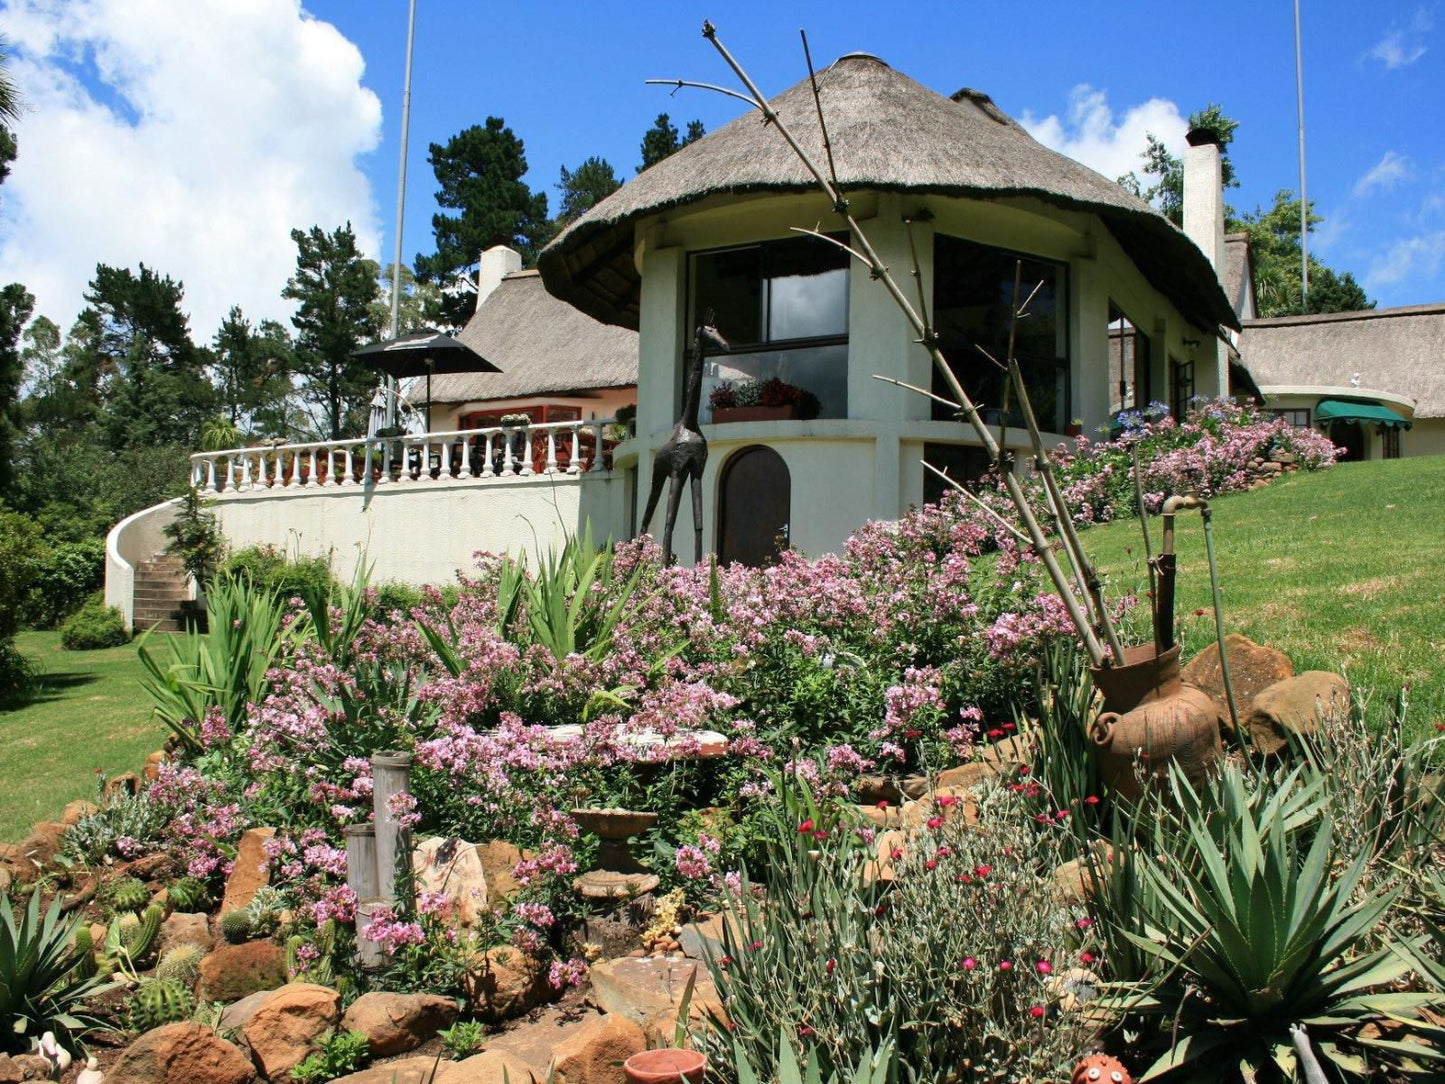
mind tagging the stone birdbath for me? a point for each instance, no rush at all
(619, 875)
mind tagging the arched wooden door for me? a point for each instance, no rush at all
(754, 506)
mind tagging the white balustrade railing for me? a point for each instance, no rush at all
(499, 451)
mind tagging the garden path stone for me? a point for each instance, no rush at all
(186, 928)
(396, 1023)
(250, 871)
(641, 988)
(488, 1067)
(182, 1054)
(283, 1030)
(1295, 706)
(230, 972)
(1252, 669)
(534, 1040)
(594, 1054)
(454, 869)
(405, 1071)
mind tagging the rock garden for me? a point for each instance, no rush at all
(867, 817)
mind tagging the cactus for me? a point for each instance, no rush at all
(129, 894)
(236, 927)
(321, 970)
(140, 940)
(186, 894)
(182, 964)
(160, 1001)
(85, 966)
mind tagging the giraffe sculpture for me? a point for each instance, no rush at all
(684, 454)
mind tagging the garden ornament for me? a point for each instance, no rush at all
(1101, 1069)
(91, 1074)
(684, 454)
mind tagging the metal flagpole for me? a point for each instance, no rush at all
(391, 404)
(1304, 203)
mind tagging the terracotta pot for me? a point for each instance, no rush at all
(665, 1067)
(721, 415)
(1151, 717)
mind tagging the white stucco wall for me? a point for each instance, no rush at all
(424, 532)
(131, 542)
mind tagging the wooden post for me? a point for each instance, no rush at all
(361, 877)
(390, 776)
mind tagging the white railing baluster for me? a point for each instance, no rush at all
(230, 473)
(261, 480)
(509, 463)
(574, 464)
(487, 471)
(466, 471)
(599, 460)
(211, 474)
(551, 452)
(526, 470)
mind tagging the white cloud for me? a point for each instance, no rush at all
(1384, 174)
(1403, 44)
(1419, 257)
(1089, 133)
(192, 137)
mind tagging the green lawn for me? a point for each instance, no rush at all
(89, 714)
(1342, 570)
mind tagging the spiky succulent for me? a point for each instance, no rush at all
(186, 894)
(160, 1001)
(182, 964)
(128, 895)
(236, 927)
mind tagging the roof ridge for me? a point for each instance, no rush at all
(1339, 317)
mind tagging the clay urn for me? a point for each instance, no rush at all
(665, 1067)
(1151, 717)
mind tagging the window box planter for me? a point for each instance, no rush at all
(783, 413)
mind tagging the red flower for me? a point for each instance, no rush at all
(723, 961)
(1044, 967)
(931, 864)
(1084, 923)
(1024, 770)
(910, 735)
(1010, 727)
(1086, 957)
(883, 803)
(881, 910)
(1092, 799)
(947, 800)
(1005, 965)
(965, 879)
(806, 826)
(995, 733)
(969, 963)
(1061, 814)
(1037, 1012)
(935, 822)
(755, 945)
(983, 871)
(820, 834)
(805, 1031)
(945, 851)
(1200, 612)
(896, 853)
(828, 967)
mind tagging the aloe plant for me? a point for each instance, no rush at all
(41, 989)
(575, 602)
(1250, 919)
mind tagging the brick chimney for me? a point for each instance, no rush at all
(1204, 194)
(497, 262)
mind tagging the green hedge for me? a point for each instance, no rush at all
(94, 625)
(66, 575)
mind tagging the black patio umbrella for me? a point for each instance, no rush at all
(424, 353)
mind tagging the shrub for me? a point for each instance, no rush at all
(95, 625)
(270, 569)
(21, 554)
(17, 674)
(67, 574)
(126, 826)
(195, 538)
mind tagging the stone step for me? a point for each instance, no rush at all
(160, 592)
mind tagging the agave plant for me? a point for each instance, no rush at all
(575, 603)
(41, 989)
(1251, 919)
(223, 668)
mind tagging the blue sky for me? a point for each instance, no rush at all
(192, 134)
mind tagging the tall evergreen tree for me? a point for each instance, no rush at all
(9, 111)
(138, 348)
(479, 172)
(582, 188)
(251, 369)
(16, 305)
(334, 287)
(661, 140)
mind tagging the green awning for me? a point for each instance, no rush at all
(1365, 411)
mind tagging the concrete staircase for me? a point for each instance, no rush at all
(160, 588)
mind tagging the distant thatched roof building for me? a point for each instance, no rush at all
(542, 345)
(1400, 350)
(889, 133)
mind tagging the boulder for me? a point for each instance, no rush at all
(880, 867)
(504, 982)
(453, 868)
(534, 1040)
(706, 935)
(125, 785)
(23, 1067)
(185, 928)
(1252, 669)
(1295, 706)
(595, 1054)
(77, 811)
(966, 776)
(152, 770)
(230, 972)
(499, 859)
(405, 1071)
(488, 1067)
(250, 871)
(396, 1023)
(235, 1015)
(286, 1026)
(641, 988)
(947, 803)
(38, 849)
(872, 789)
(182, 1054)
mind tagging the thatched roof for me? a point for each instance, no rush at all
(1238, 282)
(1394, 350)
(542, 346)
(889, 133)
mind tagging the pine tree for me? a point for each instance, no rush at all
(584, 187)
(661, 140)
(16, 305)
(252, 372)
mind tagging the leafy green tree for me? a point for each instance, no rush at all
(582, 188)
(16, 305)
(661, 140)
(420, 303)
(251, 368)
(479, 172)
(150, 375)
(1167, 190)
(1274, 244)
(9, 111)
(334, 288)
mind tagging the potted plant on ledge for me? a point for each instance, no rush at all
(761, 401)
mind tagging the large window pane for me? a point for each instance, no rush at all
(973, 297)
(822, 370)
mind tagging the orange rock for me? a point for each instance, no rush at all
(250, 871)
(182, 1054)
(285, 1028)
(595, 1055)
(396, 1023)
(230, 972)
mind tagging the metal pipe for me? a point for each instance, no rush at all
(400, 207)
(1304, 203)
